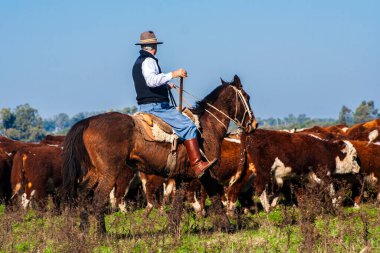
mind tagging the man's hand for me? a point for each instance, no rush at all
(179, 73)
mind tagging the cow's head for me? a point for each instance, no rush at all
(349, 163)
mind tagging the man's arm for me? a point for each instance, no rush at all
(151, 75)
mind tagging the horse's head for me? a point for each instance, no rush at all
(239, 107)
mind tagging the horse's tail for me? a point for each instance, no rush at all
(75, 157)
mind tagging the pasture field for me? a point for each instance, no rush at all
(285, 229)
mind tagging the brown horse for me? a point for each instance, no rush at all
(99, 148)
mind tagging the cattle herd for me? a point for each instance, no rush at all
(274, 161)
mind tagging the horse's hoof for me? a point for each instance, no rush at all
(231, 214)
(247, 211)
(161, 211)
(200, 214)
(147, 213)
(230, 229)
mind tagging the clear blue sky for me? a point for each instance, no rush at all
(294, 56)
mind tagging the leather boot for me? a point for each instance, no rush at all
(195, 158)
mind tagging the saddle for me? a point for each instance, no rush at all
(154, 129)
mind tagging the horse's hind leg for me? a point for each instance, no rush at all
(95, 196)
(100, 201)
(87, 187)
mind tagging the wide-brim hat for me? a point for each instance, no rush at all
(147, 38)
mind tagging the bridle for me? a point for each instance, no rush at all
(247, 110)
(239, 95)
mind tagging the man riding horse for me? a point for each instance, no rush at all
(152, 96)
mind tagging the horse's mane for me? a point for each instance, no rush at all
(200, 106)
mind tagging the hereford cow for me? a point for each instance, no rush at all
(5, 175)
(367, 131)
(325, 133)
(53, 140)
(337, 129)
(8, 149)
(36, 173)
(369, 155)
(276, 156)
(127, 187)
(362, 136)
(365, 125)
(237, 181)
(151, 184)
(365, 134)
(194, 193)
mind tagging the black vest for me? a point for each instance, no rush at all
(146, 94)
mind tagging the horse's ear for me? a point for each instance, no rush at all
(237, 82)
(223, 82)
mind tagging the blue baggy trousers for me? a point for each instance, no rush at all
(182, 125)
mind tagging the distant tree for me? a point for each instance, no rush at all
(23, 124)
(13, 133)
(36, 134)
(302, 119)
(7, 118)
(345, 116)
(129, 110)
(49, 125)
(82, 115)
(365, 112)
(77, 117)
(61, 121)
(27, 117)
(290, 120)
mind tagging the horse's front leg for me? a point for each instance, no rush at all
(215, 191)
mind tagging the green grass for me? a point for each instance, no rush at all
(349, 230)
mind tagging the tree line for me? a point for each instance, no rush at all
(365, 111)
(25, 124)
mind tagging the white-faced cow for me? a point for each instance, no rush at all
(277, 156)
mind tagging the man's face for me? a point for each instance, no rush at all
(155, 49)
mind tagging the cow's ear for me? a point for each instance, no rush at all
(237, 82)
(341, 144)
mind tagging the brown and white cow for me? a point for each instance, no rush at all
(194, 193)
(325, 133)
(53, 140)
(369, 155)
(36, 173)
(367, 131)
(237, 181)
(8, 149)
(5, 175)
(151, 185)
(277, 156)
(127, 188)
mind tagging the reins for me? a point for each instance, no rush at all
(239, 94)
